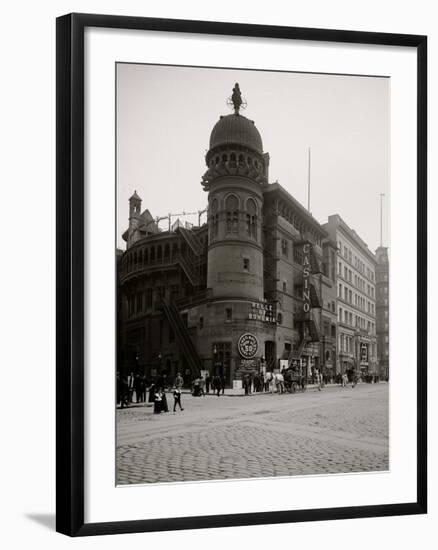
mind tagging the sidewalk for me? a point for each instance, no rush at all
(240, 392)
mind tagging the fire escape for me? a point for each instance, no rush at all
(192, 269)
(182, 334)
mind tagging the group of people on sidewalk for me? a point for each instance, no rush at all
(201, 386)
(127, 385)
(273, 382)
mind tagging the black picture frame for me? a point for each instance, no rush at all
(70, 273)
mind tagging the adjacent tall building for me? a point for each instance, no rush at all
(261, 285)
(356, 296)
(382, 310)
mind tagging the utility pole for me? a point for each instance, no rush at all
(381, 217)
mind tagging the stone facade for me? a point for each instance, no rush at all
(356, 298)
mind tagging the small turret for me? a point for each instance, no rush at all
(134, 218)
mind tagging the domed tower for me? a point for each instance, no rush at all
(237, 170)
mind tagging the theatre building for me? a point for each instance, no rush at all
(356, 299)
(251, 289)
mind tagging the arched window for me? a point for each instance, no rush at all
(214, 218)
(140, 257)
(224, 158)
(159, 252)
(251, 218)
(233, 157)
(166, 251)
(241, 159)
(232, 210)
(152, 253)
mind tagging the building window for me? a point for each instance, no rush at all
(284, 247)
(346, 294)
(340, 290)
(280, 319)
(246, 264)
(231, 207)
(345, 273)
(228, 314)
(215, 225)
(251, 218)
(340, 315)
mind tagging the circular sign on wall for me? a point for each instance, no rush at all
(247, 345)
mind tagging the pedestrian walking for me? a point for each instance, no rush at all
(137, 388)
(152, 389)
(164, 400)
(158, 401)
(247, 384)
(143, 389)
(131, 379)
(179, 381)
(202, 386)
(353, 385)
(207, 383)
(320, 381)
(217, 385)
(124, 397)
(177, 399)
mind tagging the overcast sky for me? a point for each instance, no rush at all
(165, 115)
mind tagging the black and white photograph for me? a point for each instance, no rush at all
(252, 266)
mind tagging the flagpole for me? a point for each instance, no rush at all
(308, 183)
(381, 218)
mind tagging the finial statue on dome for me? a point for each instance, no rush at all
(236, 101)
(236, 98)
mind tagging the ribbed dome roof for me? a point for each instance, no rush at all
(236, 129)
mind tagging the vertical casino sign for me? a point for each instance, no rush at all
(306, 277)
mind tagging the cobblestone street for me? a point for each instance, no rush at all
(333, 431)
